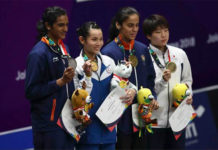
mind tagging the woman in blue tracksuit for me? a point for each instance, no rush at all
(123, 46)
(47, 81)
(97, 77)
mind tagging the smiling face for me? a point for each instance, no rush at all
(129, 28)
(159, 37)
(93, 42)
(58, 30)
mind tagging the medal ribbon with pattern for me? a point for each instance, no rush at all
(156, 59)
(123, 81)
(127, 46)
(58, 49)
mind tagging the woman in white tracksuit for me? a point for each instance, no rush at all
(156, 29)
(98, 74)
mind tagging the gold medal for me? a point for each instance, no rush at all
(171, 66)
(133, 59)
(123, 84)
(94, 66)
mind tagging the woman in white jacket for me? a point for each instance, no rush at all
(96, 70)
(156, 29)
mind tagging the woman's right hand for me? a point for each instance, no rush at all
(87, 67)
(166, 75)
(67, 76)
(129, 97)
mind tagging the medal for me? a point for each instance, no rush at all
(171, 66)
(123, 84)
(94, 66)
(72, 62)
(133, 59)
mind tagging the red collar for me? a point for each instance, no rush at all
(127, 46)
(78, 108)
(120, 78)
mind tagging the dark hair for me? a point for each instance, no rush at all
(152, 22)
(121, 16)
(50, 16)
(84, 29)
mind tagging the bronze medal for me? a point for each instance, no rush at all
(133, 59)
(94, 66)
(171, 66)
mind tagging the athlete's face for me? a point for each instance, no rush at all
(93, 42)
(159, 37)
(129, 28)
(59, 28)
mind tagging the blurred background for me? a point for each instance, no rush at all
(193, 27)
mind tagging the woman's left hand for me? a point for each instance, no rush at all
(154, 105)
(189, 100)
(128, 98)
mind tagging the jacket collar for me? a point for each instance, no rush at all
(158, 51)
(98, 55)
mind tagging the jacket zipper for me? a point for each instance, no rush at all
(168, 94)
(168, 104)
(53, 110)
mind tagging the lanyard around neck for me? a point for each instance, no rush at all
(59, 49)
(156, 59)
(125, 46)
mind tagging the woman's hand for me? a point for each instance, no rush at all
(166, 75)
(87, 67)
(67, 76)
(189, 100)
(154, 105)
(128, 98)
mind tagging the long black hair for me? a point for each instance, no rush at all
(50, 16)
(121, 16)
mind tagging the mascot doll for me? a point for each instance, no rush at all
(144, 98)
(180, 92)
(81, 105)
(121, 74)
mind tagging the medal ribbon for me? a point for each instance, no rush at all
(59, 49)
(156, 59)
(124, 45)
(120, 78)
(63, 48)
(79, 108)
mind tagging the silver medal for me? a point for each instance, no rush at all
(72, 63)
